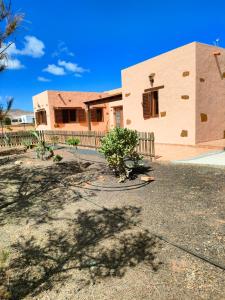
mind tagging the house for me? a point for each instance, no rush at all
(179, 95)
(23, 119)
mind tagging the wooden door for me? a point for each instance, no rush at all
(118, 113)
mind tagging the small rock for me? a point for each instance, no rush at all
(147, 178)
(18, 162)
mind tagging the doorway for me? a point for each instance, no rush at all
(118, 113)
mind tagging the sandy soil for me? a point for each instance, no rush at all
(73, 232)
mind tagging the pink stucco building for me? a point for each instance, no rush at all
(179, 95)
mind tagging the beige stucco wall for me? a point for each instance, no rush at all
(51, 99)
(180, 114)
(40, 101)
(210, 93)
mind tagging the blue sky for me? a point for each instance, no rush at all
(82, 45)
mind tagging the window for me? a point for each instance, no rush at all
(150, 105)
(70, 115)
(41, 118)
(97, 115)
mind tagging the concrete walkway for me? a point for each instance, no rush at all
(215, 158)
(166, 152)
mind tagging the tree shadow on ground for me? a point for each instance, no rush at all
(35, 193)
(96, 243)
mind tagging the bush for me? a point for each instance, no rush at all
(7, 121)
(73, 141)
(57, 158)
(118, 147)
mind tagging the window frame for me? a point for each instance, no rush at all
(95, 116)
(78, 118)
(41, 117)
(150, 103)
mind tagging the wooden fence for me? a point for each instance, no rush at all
(88, 139)
(92, 139)
(18, 138)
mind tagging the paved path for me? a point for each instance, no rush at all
(216, 158)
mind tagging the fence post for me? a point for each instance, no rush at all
(153, 145)
(95, 136)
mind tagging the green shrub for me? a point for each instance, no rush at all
(57, 158)
(73, 141)
(7, 121)
(118, 147)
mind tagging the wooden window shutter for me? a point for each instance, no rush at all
(146, 105)
(58, 116)
(37, 118)
(93, 115)
(44, 117)
(81, 114)
(154, 104)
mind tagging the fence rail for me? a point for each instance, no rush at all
(92, 139)
(18, 138)
(88, 139)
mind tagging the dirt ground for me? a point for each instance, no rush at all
(73, 232)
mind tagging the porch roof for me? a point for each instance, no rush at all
(105, 98)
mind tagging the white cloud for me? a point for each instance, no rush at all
(43, 79)
(62, 49)
(55, 70)
(64, 68)
(14, 64)
(9, 62)
(71, 67)
(32, 47)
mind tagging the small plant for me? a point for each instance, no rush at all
(118, 147)
(57, 158)
(73, 141)
(27, 144)
(54, 139)
(6, 139)
(43, 151)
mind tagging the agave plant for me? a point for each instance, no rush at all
(43, 151)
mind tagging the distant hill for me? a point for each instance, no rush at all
(18, 112)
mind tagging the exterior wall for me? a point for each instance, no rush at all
(40, 101)
(53, 99)
(210, 93)
(177, 114)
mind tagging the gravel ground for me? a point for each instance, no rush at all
(73, 232)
